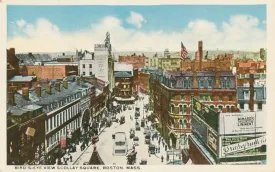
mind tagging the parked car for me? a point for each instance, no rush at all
(137, 127)
(148, 138)
(136, 141)
(132, 133)
(143, 162)
(152, 149)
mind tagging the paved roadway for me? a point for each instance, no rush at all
(105, 144)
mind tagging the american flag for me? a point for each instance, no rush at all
(183, 51)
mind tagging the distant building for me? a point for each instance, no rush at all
(136, 61)
(12, 63)
(21, 81)
(31, 59)
(65, 58)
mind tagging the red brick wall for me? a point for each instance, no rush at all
(136, 61)
(13, 60)
(196, 155)
(50, 72)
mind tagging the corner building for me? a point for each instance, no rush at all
(171, 99)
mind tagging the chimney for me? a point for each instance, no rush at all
(49, 89)
(38, 90)
(217, 80)
(197, 56)
(195, 82)
(25, 92)
(65, 84)
(251, 90)
(200, 53)
(11, 98)
(12, 51)
(57, 85)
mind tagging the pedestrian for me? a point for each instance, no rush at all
(159, 149)
(165, 147)
(162, 158)
(71, 158)
(167, 158)
(156, 150)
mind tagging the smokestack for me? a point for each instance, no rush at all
(57, 85)
(251, 89)
(11, 98)
(195, 82)
(25, 92)
(49, 89)
(38, 90)
(65, 84)
(200, 53)
(217, 80)
(12, 51)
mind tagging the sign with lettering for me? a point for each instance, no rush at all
(242, 123)
(100, 47)
(236, 146)
(212, 141)
(205, 113)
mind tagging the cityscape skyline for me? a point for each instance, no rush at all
(133, 29)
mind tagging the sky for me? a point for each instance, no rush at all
(136, 28)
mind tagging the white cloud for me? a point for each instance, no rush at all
(136, 19)
(21, 23)
(241, 32)
(264, 22)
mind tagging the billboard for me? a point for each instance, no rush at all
(208, 115)
(245, 145)
(205, 133)
(212, 141)
(242, 123)
(100, 47)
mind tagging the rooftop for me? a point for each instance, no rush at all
(19, 78)
(123, 74)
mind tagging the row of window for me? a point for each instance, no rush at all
(203, 97)
(83, 65)
(62, 117)
(61, 103)
(259, 106)
(183, 108)
(63, 132)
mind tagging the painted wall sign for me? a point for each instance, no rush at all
(236, 146)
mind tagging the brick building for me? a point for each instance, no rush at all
(12, 63)
(136, 61)
(50, 72)
(21, 81)
(172, 93)
(222, 62)
(65, 58)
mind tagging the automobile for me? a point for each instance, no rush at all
(146, 130)
(109, 122)
(148, 138)
(137, 127)
(95, 139)
(143, 162)
(85, 163)
(137, 111)
(142, 123)
(136, 141)
(152, 149)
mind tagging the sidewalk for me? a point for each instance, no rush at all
(75, 155)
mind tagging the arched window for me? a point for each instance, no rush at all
(183, 123)
(220, 108)
(181, 110)
(172, 108)
(183, 140)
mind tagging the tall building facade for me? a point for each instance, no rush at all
(172, 93)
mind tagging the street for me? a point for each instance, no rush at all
(105, 143)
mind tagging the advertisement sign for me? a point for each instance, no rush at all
(212, 141)
(242, 123)
(208, 115)
(100, 47)
(199, 128)
(236, 146)
(30, 131)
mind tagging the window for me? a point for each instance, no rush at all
(222, 84)
(172, 108)
(183, 123)
(23, 85)
(201, 84)
(189, 83)
(246, 95)
(229, 97)
(83, 66)
(227, 109)
(260, 106)
(182, 97)
(228, 84)
(241, 106)
(91, 73)
(181, 110)
(212, 107)
(185, 83)
(83, 73)
(90, 65)
(220, 108)
(210, 84)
